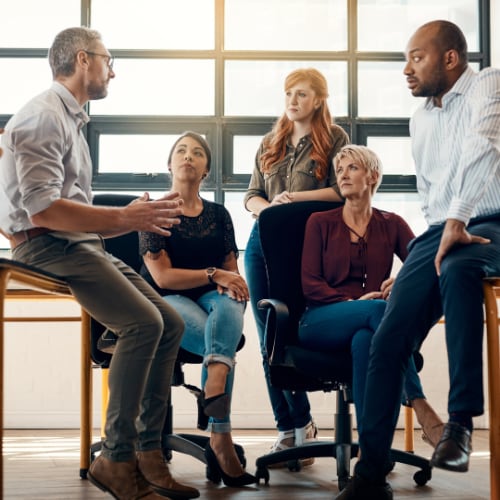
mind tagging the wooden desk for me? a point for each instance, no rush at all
(19, 283)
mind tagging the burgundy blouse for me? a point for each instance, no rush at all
(331, 263)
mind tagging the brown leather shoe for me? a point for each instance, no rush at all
(454, 448)
(154, 468)
(121, 479)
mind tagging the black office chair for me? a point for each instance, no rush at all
(293, 367)
(126, 248)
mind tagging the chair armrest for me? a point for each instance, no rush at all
(276, 329)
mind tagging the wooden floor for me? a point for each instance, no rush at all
(44, 464)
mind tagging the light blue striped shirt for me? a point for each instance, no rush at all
(457, 149)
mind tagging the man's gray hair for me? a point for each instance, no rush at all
(62, 54)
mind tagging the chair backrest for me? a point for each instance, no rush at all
(126, 248)
(292, 366)
(281, 231)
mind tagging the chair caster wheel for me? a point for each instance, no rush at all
(422, 476)
(262, 473)
(294, 465)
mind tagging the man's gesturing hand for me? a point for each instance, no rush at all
(155, 216)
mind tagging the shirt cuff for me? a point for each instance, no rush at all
(460, 210)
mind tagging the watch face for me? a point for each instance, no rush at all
(210, 273)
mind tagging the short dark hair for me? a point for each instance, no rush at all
(450, 37)
(198, 138)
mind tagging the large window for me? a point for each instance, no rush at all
(218, 66)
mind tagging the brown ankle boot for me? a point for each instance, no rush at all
(121, 479)
(154, 468)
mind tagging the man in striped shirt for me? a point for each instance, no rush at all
(456, 146)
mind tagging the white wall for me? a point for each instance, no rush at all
(42, 376)
(42, 365)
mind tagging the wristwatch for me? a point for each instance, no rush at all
(211, 273)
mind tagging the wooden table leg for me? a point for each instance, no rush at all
(85, 397)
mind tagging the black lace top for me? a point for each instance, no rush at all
(196, 243)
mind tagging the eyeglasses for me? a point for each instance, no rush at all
(111, 59)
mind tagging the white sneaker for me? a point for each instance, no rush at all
(303, 435)
(286, 439)
(306, 434)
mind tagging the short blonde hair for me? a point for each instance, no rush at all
(365, 157)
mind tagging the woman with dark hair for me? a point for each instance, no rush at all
(196, 271)
(293, 163)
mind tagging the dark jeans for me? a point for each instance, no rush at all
(351, 324)
(291, 409)
(418, 299)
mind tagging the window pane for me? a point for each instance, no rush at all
(396, 20)
(140, 154)
(395, 153)
(383, 92)
(255, 88)
(407, 205)
(159, 87)
(32, 76)
(242, 219)
(285, 25)
(4, 243)
(34, 24)
(155, 24)
(244, 150)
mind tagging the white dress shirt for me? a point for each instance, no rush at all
(457, 149)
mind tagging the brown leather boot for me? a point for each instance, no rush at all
(121, 479)
(154, 468)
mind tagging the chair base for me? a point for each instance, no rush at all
(189, 444)
(342, 452)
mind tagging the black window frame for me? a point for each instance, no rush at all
(220, 129)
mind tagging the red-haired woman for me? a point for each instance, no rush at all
(293, 163)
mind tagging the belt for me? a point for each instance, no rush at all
(28, 234)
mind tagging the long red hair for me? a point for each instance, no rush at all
(321, 122)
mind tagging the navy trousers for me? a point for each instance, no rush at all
(418, 300)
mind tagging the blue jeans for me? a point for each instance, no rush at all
(331, 327)
(213, 329)
(418, 299)
(291, 409)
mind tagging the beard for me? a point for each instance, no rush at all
(96, 92)
(434, 86)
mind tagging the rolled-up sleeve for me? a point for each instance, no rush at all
(38, 151)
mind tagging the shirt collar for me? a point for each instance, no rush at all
(71, 103)
(460, 87)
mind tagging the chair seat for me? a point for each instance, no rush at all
(25, 276)
(326, 370)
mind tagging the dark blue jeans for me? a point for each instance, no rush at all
(418, 299)
(351, 324)
(291, 409)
